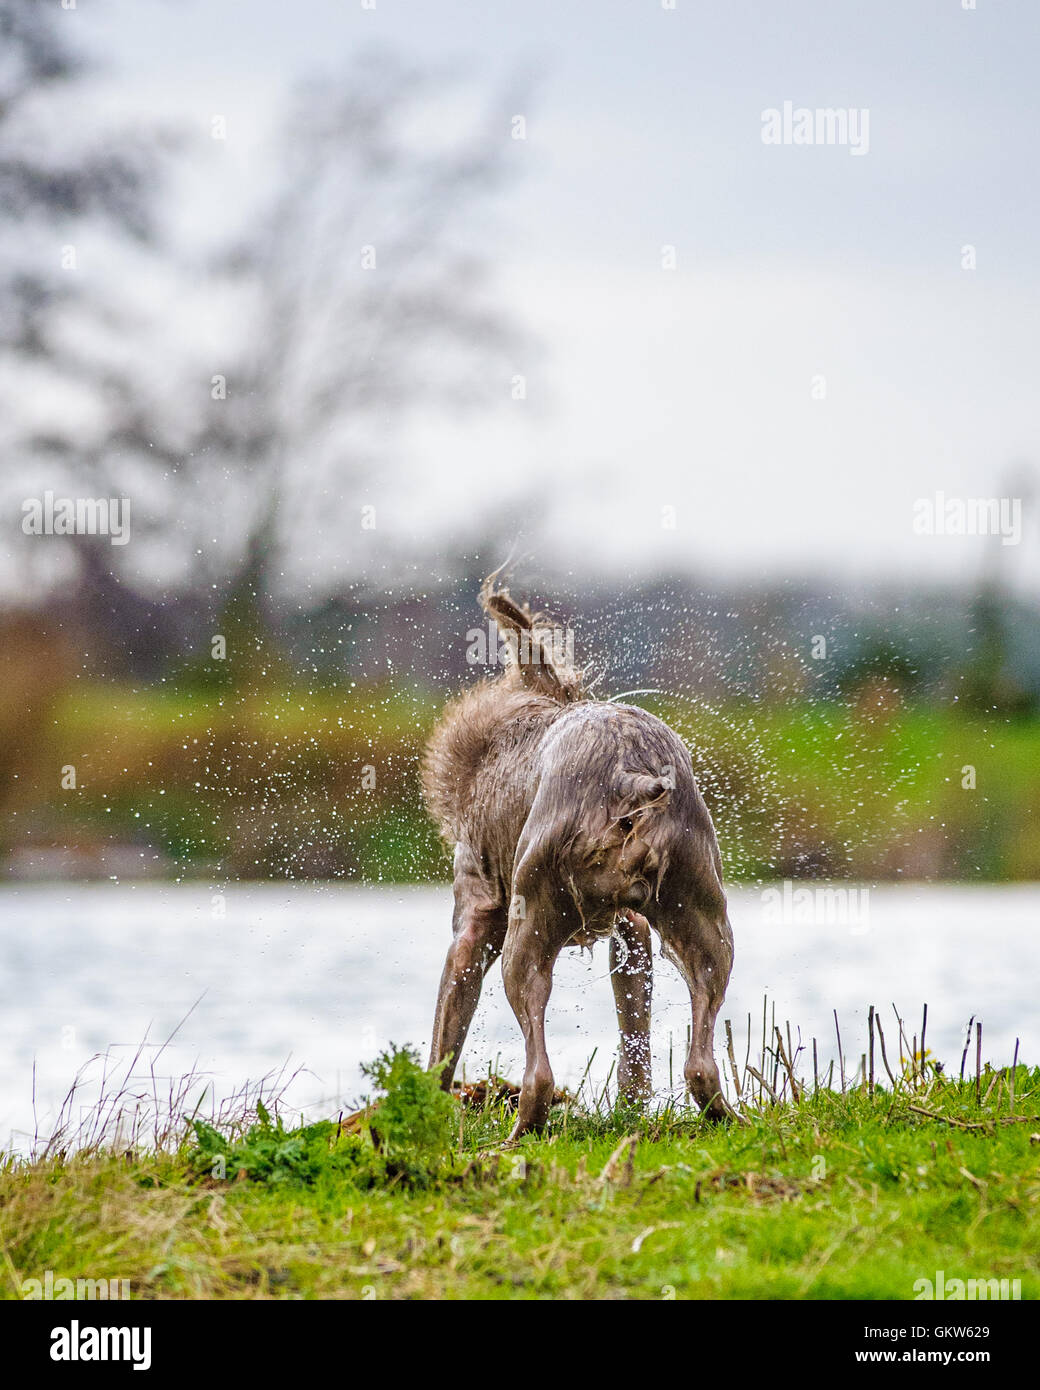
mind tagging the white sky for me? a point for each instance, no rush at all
(692, 388)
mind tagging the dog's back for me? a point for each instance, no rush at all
(617, 803)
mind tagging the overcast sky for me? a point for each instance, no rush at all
(693, 388)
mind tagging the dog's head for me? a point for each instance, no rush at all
(616, 858)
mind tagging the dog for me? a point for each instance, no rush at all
(573, 819)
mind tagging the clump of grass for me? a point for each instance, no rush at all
(268, 1152)
(133, 1108)
(414, 1115)
(404, 1135)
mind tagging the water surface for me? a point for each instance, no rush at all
(322, 976)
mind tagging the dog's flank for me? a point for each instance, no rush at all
(571, 818)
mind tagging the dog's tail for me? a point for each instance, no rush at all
(540, 652)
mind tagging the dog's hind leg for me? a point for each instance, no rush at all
(699, 942)
(479, 931)
(533, 942)
(631, 974)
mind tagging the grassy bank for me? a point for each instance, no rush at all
(324, 783)
(836, 1195)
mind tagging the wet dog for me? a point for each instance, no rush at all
(573, 819)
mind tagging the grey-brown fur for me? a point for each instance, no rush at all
(573, 819)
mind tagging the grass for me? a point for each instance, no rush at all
(835, 1194)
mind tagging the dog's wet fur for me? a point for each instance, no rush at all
(573, 819)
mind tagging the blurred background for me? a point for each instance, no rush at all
(355, 301)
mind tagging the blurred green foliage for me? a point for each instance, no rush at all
(279, 783)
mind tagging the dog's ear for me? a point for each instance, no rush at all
(656, 790)
(642, 791)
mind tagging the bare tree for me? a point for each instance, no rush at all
(359, 280)
(75, 414)
(51, 180)
(365, 282)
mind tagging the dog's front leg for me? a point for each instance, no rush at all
(479, 930)
(700, 943)
(533, 942)
(631, 974)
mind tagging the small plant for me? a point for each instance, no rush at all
(413, 1119)
(404, 1136)
(270, 1153)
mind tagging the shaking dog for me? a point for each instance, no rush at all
(573, 819)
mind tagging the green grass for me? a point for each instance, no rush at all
(838, 1196)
